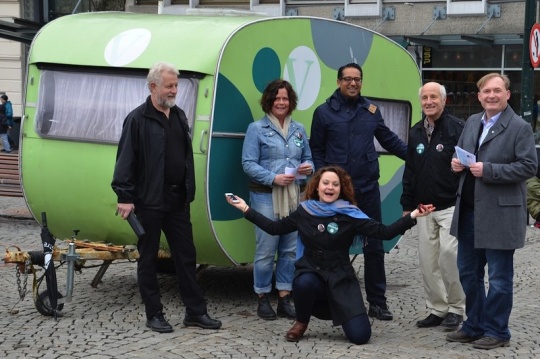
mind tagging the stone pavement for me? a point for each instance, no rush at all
(108, 321)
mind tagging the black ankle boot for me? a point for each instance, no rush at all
(264, 310)
(285, 307)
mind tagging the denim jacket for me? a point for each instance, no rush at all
(266, 152)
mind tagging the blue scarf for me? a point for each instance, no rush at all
(322, 209)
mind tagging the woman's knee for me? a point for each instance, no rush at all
(360, 338)
(358, 329)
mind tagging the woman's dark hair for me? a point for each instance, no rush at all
(270, 93)
(347, 189)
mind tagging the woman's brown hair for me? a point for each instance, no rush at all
(345, 181)
(270, 93)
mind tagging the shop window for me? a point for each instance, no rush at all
(512, 56)
(92, 107)
(467, 57)
(363, 8)
(209, 3)
(466, 7)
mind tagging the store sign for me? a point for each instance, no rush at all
(534, 45)
(426, 57)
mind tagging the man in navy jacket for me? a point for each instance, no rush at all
(342, 134)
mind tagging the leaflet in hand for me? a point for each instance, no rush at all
(466, 158)
(294, 171)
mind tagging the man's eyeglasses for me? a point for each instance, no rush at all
(348, 80)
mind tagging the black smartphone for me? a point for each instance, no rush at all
(232, 197)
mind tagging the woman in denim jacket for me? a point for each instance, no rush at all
(272, 144)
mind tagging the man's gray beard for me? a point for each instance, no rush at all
(167, 103)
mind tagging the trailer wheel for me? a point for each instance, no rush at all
(43, 303)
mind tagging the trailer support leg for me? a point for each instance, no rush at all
(100, 273)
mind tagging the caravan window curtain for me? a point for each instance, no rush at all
(397, 117)
(92, 107)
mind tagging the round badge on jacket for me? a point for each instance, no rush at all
(420, 148)
(332, 227)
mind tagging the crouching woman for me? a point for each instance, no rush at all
(325, 283)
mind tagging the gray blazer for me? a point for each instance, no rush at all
(500, 201)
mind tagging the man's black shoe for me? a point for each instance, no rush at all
(202, 321)
(264, 309)
(381, 313)
(459, 336)
(285, 307)
(452, 321)
(432, 320)
(490, 343)
(158, 324)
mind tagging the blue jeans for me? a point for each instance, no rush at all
(5, 142)
(487, 315)
(266, 247)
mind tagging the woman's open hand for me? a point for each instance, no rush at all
(422, 210)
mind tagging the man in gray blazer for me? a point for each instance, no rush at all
(491, 211)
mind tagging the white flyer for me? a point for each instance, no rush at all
(466, 158)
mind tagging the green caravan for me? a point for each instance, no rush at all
(86, 72)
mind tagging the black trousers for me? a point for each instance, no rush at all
(374, 272)
(176, 226)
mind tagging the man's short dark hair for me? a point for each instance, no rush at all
(352, 64)
(4, 97)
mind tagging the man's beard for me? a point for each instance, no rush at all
(166, 102)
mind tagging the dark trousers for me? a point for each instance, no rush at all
(309, 292)
(488, 313)
(374, 272)
(176, 226)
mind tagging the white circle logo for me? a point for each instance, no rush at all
(303, 71)
(127, 46)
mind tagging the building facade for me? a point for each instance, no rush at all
(453, 42)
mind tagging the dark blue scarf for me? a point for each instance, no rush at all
(322, 209)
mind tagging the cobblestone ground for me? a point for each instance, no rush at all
(108, 321)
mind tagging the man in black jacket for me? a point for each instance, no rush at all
(154, 176)
(428, 179)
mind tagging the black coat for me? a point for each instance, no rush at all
(140, 161)
(327, 254)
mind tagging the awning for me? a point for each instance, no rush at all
(17, 29)
(438, 41)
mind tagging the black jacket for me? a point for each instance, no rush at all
(427, 177)
(327, 254)
(140, 161)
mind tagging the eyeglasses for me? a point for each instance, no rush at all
(348, 80)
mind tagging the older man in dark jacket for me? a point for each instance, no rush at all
(427, 179)
(154, 176)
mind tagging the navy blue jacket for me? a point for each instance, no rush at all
(342, 134)
(427, 177)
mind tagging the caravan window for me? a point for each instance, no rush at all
(397, 116)
(92, 107)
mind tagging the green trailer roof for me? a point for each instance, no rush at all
(118, 39)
